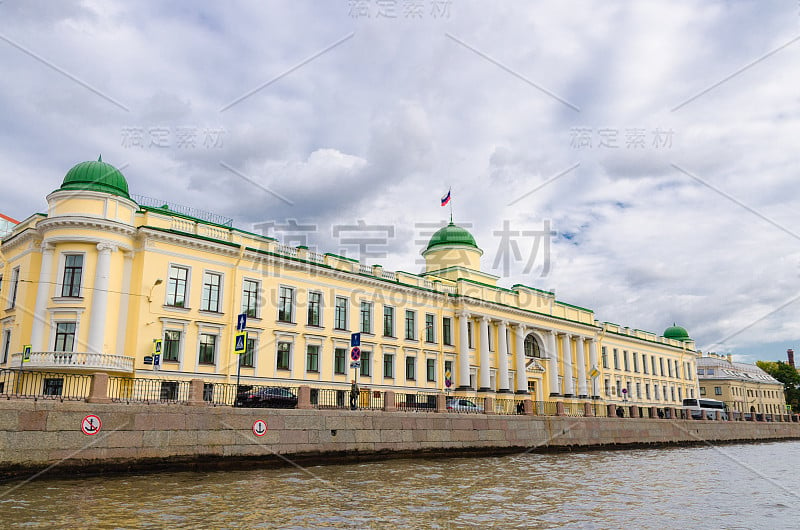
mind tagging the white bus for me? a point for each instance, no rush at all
(705, 408)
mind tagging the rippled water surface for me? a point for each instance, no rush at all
(730, 486)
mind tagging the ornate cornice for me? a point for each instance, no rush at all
(92, 223)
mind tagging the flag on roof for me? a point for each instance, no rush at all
(446, 198)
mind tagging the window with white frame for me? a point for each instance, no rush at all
(247, 359)
(366, 365)
(411, 364)
(172, 345)
(340, 313)
(250, 290)
(212, 286)
(177, 286)
(73, 273)
(430, 369)
(340, 360)
(312, 358)
(283, 355)
(314, 309)
(6, 344)
(388, 365)
(447, 331)
(285, 304)
(366, 317)
(388, 321)
(430, 327)
(208, 348)
(12, 296)
(65, 337)
(411, 324)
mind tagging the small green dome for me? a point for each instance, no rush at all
(96, 176)
(452, 235)
(677, 333)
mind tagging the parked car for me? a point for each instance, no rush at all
(270, 396)
(463, 405)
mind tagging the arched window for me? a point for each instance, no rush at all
(532, 347)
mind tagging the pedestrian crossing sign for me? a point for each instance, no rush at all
(26, 353)
(240, 343)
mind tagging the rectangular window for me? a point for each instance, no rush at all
(647, 390)
(283, 355)
(73, 271)
(680, 394)
(653, 364)
(312, 358)
(470, 343)
(314, 308)
(430, 327)
(388, 321)
(53, 386)
(212, 282)
(669, 367)
(677, 369)
(65, 336)
(717, 390)
(246, 359)
(411, 324)
(655, 392)
(638, 390)
(12, 297)
(339, 360)
(616, 359)
(366, 317)
(340, 314)
(607, 387)
(208, 348)
(604, 354)
(388, 366)
(625, 360)
(250, 298)
(286, 304)
(619, 387)
(176, 286)
(365, 364)
(6, 344)
(172, 345)
(635, 362)
(661, 369)
(644, 363)
(447, 331)
(411, 363)
(430, 369)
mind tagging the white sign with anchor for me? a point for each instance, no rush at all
(259, 427)
(91, 425)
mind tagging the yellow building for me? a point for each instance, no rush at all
(743, 387)
(91, 284)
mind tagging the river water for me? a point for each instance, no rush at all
(727, 486)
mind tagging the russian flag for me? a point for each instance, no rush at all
(446, 198)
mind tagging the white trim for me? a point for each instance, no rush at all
(188, 288)
(220, 293)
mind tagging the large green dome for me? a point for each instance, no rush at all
(677, 333)
(452, 235)
(96, 176)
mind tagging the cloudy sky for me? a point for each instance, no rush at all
(640, 159)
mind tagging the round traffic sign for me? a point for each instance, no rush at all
(624, 390)
(355, 353)
(259, 427)
(448, 383)
(91, 425)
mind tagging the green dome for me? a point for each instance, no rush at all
(96, 176)
(677, 333)
(452, 235)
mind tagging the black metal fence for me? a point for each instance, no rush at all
(509, 406)
(140, 390)
(419, 402)
(31, 384)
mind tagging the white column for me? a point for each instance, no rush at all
(485, 379)
(593, 364)
(97, 320)
(502, 357)
(552, 370)
(522, 376)
(569, 387)
(463, 351)
(580, 358)
(124, 299)
(42, 292)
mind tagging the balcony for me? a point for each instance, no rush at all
(59, 360)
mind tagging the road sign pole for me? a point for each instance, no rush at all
(238, 373)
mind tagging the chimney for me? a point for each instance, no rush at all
(790, 354)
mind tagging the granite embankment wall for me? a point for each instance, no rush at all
(35, 435)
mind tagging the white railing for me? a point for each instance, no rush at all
(316, 257)
(287, 250)
(389, 275)
(74, 360)
(182, 225)
(449, 289)
(427, 284)
(364, 269)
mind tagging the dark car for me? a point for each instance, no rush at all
(270, 396)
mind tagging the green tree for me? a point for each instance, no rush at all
(787, 375)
